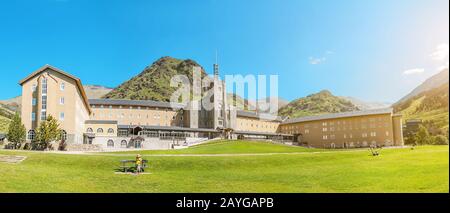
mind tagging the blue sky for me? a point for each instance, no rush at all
(375, 50)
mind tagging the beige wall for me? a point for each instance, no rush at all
(398, 130)
(148, 116)
(256, 125)
(351, 131)
(105, 127)
(74, 109)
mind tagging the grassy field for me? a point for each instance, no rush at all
(229, 147)
(425, 169)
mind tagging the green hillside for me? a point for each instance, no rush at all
(318, 103)
(5, 116)
(154, 82)
(431, 106)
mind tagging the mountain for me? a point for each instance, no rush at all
(319, 103)
(364, 105)
(264, 103)
(432, 106)
(12, 104)
(432, 82)
(5, 117)
(237, 101)
(96, 91)
(153, 83)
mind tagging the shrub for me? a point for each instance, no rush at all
(440, 140)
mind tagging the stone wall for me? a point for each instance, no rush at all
(83, 147)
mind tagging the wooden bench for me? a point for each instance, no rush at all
(128, 165)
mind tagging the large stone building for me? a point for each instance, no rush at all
(121, 124)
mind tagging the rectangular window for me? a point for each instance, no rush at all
(33, 102)
(33, 88)
(61, 100)
(33, 116)
(324, 137)
(44, 102)
(44, 86)
(43, 115)
(61, 116)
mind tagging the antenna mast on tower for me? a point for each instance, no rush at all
(216, 67)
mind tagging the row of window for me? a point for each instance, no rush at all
(62, 86)
(138, 116)
(125, 144)
(257, 125)
(44, 101)
(130, 107)
(364, 135)
(31, 135)
(100, 130)
(44, 116)
(362, 144)
(329, 126)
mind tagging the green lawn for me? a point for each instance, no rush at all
(424, 169)
(229, 147)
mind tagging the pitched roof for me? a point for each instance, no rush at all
(100, 122)
(167, 128)
(77, 80)
(340, 115)
(144, 103)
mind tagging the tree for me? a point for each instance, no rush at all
(47, 132)
(423, 136)
(440, 140)
(16, 132)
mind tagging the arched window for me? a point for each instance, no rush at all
(123, 144)
(31, 135)
(110, 143)
(111, 130)
(99, 130)
(89, 130)
(63, 135)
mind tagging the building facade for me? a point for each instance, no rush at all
(123, 124)
(347, 130)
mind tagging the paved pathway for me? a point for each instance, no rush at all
(11, 159)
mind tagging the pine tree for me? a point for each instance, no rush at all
(16, 132)
(47, 132)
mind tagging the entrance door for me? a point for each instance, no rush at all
(138, 144)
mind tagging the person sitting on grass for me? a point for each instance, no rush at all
(138, 164)
(374, 151)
